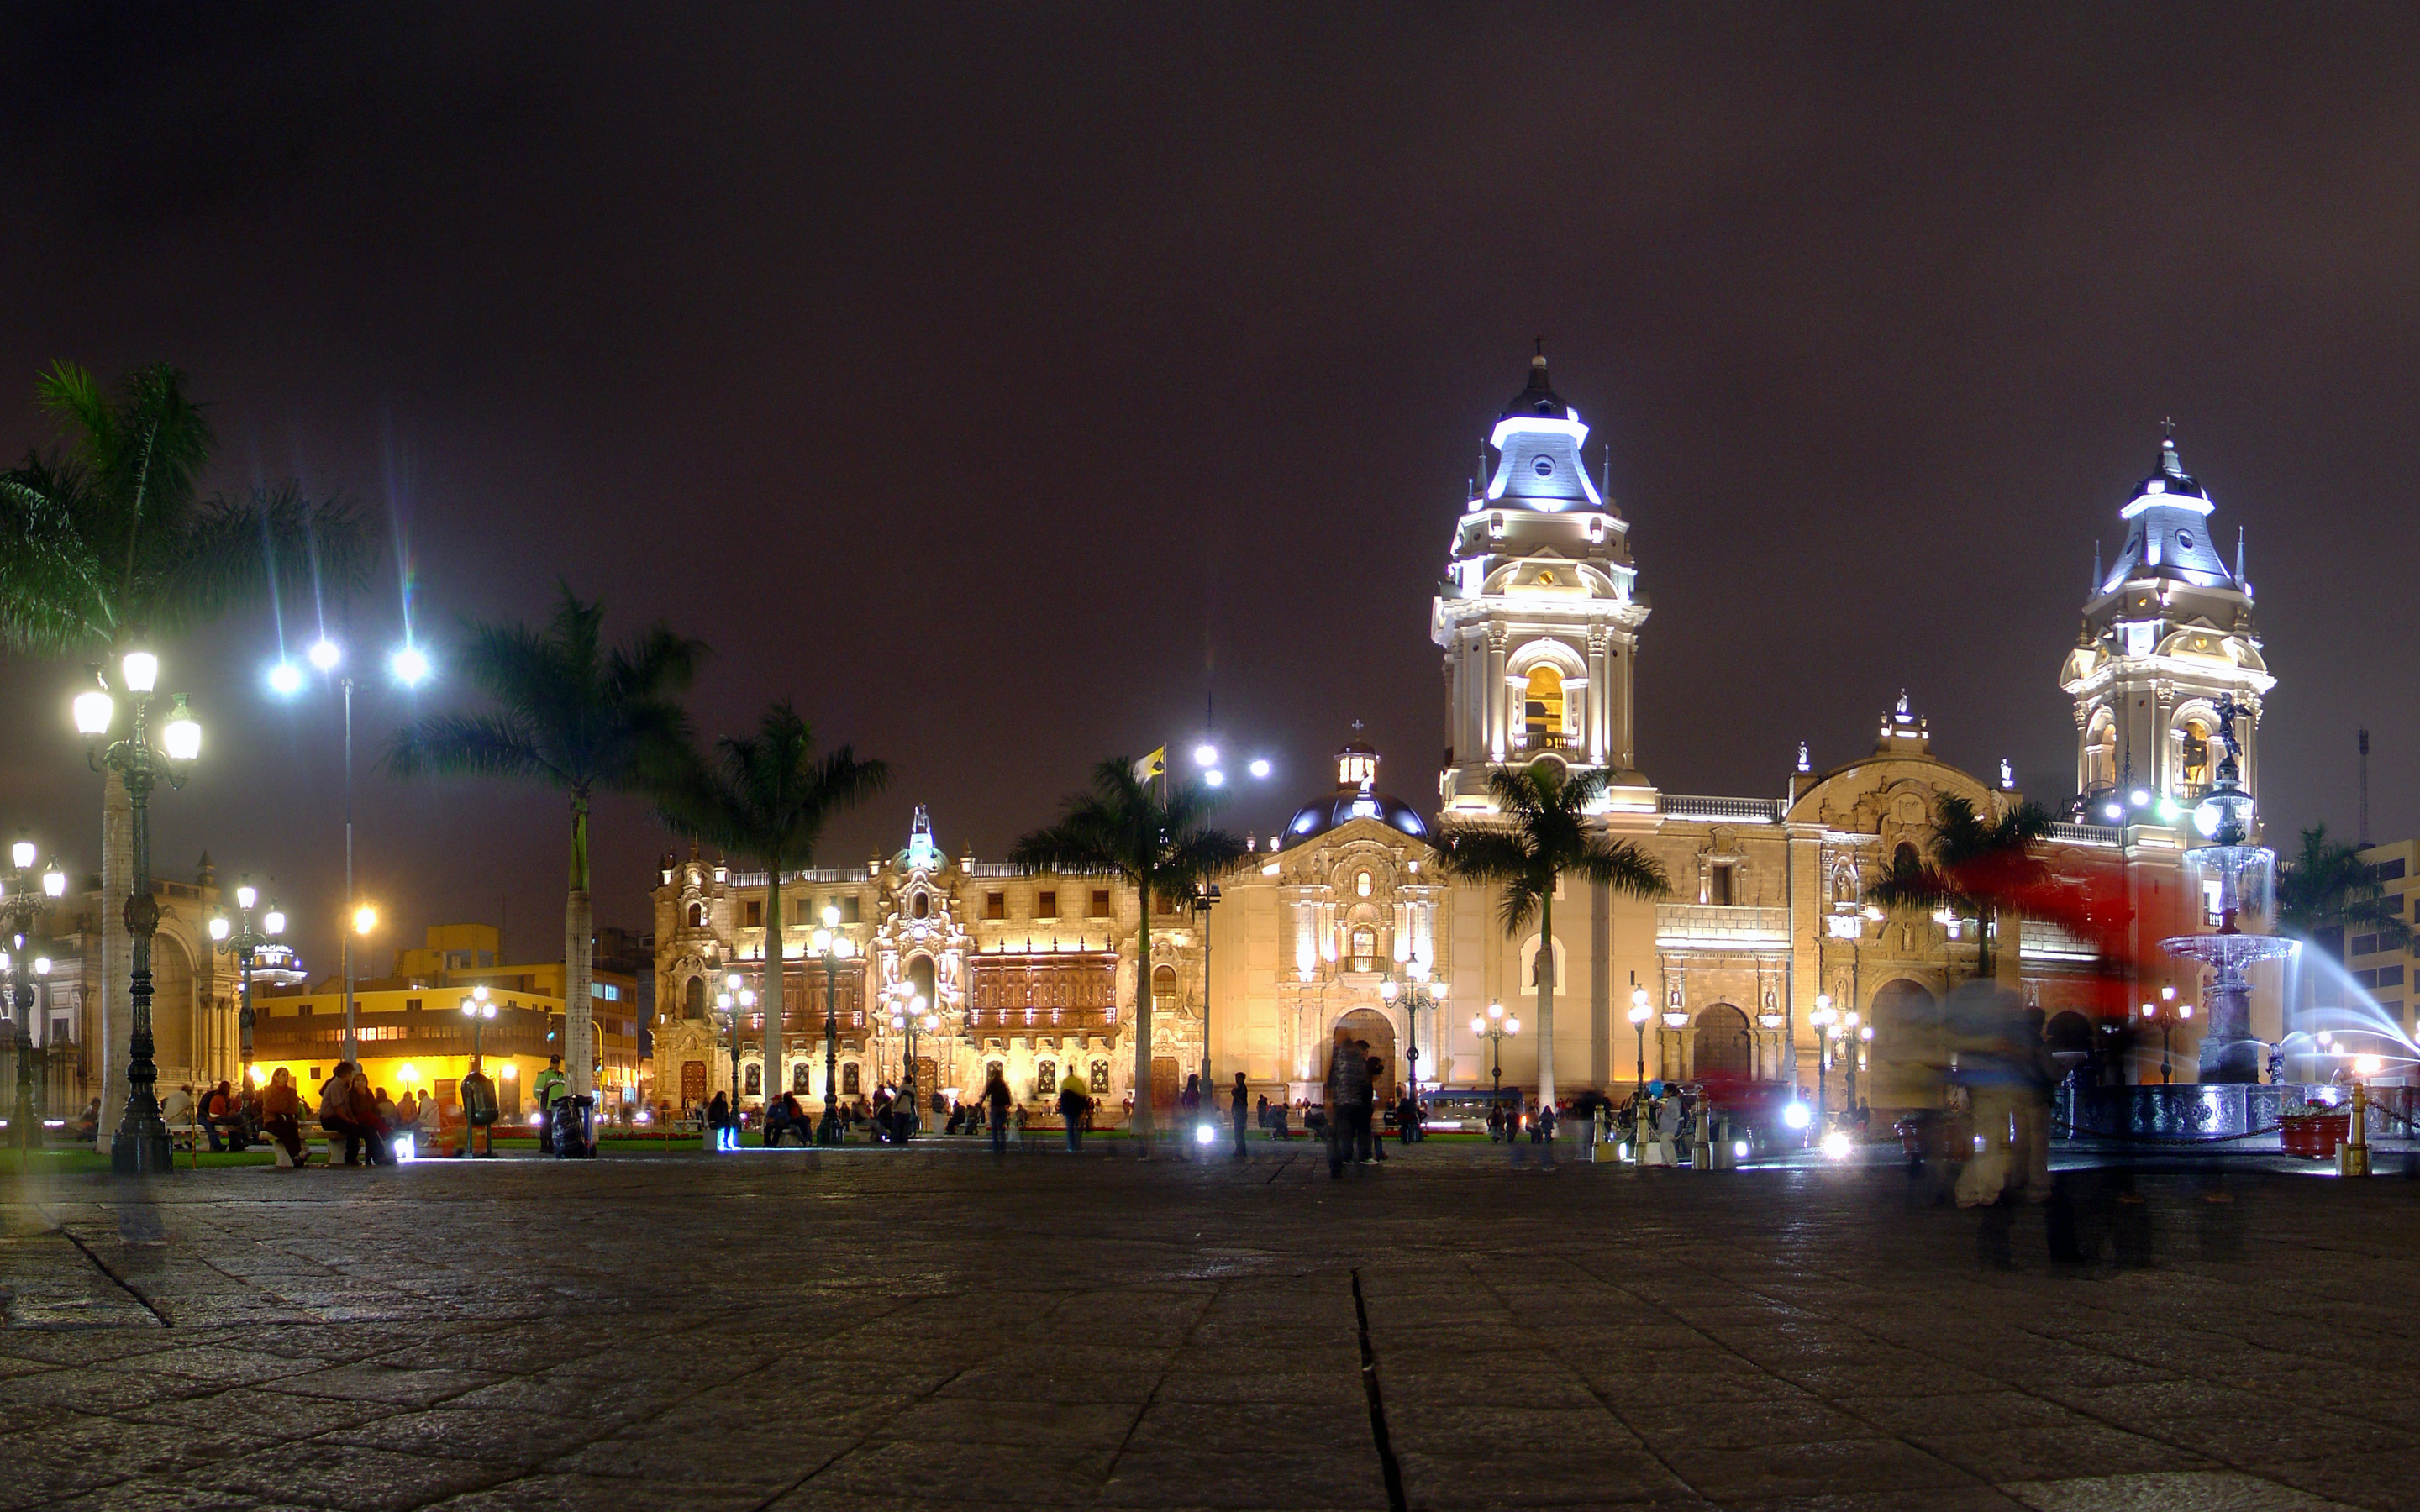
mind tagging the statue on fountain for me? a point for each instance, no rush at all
(2245, 875)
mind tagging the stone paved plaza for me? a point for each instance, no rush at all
(866, 1330)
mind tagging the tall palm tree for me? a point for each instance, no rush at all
(572, 714)
(766, 799)
(1541, 834)
(1157, 843)
(106, 538)
(1983, 867)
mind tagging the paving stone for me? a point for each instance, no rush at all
(884, 1332)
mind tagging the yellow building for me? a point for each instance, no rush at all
(413, 1035)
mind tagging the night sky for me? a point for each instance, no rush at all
(998, 384)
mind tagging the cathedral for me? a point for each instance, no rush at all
(1764, 963)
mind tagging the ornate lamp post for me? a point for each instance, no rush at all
(1417, 992)
(908, 1016)
(1822, 1019)
(2168, 1014)
(21, 905)
(140, 1146)
(243, 942)
(480, 1012)
(1493, 1027)
(834, 947)
(1639, 1014)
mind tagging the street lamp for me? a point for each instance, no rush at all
(834, 947)
(21, 905)
(1639, 1014)
(1493, 1027)
(1822, 1019)
(1417, 992)
(407, 665)
(244, 942)
(140, 1146)
(1204, 901)
(2168, 1014)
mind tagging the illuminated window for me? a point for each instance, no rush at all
(697, 915)
(919, 907)
(1542, 707)
(2193, 764)
(1365, 950)
(1361, 884)
(756, 1082)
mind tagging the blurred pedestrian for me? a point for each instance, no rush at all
(1236, 1107)
(1346, 1088)
(994, 1100)
(1075, 1101)
(718, 1120)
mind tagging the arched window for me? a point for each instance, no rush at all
(2195, 763)
(1361, 884)
(1365, 948)
(1903, 856)
(1163, 985)
(1541, 708)
(693, 998)
(697, 915)
(2101, 755)
(919, 907)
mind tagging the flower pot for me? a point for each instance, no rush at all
(2313, 1135)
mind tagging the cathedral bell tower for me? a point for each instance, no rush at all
(1538, 614)
(2165, 636)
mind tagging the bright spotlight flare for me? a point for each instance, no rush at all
(325, 654)
(409, 665)
(1836, 1145)
(1794, 1114)
(1205, 1133)
(286, 679)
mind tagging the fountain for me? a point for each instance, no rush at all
(2245, 877)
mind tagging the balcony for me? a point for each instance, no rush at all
(1729, 811)
(1715, 927)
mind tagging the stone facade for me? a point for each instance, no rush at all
(1344, 920)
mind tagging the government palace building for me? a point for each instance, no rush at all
(1764, 963)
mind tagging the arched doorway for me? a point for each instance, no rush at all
(1723, 1051)
(1902, 1069)
(919, 981)
(1367, 1024)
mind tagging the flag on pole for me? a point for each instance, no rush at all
(1154, 765)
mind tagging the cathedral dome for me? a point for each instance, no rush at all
(1356, 797)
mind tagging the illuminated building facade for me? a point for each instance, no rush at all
(1343, 922)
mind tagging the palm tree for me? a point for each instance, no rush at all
(1160, 843)
(108, 539)
(1986, 868)
(1541, 835)
(766, 799)
(573, 715)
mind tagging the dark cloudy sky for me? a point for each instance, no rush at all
(992, 381)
